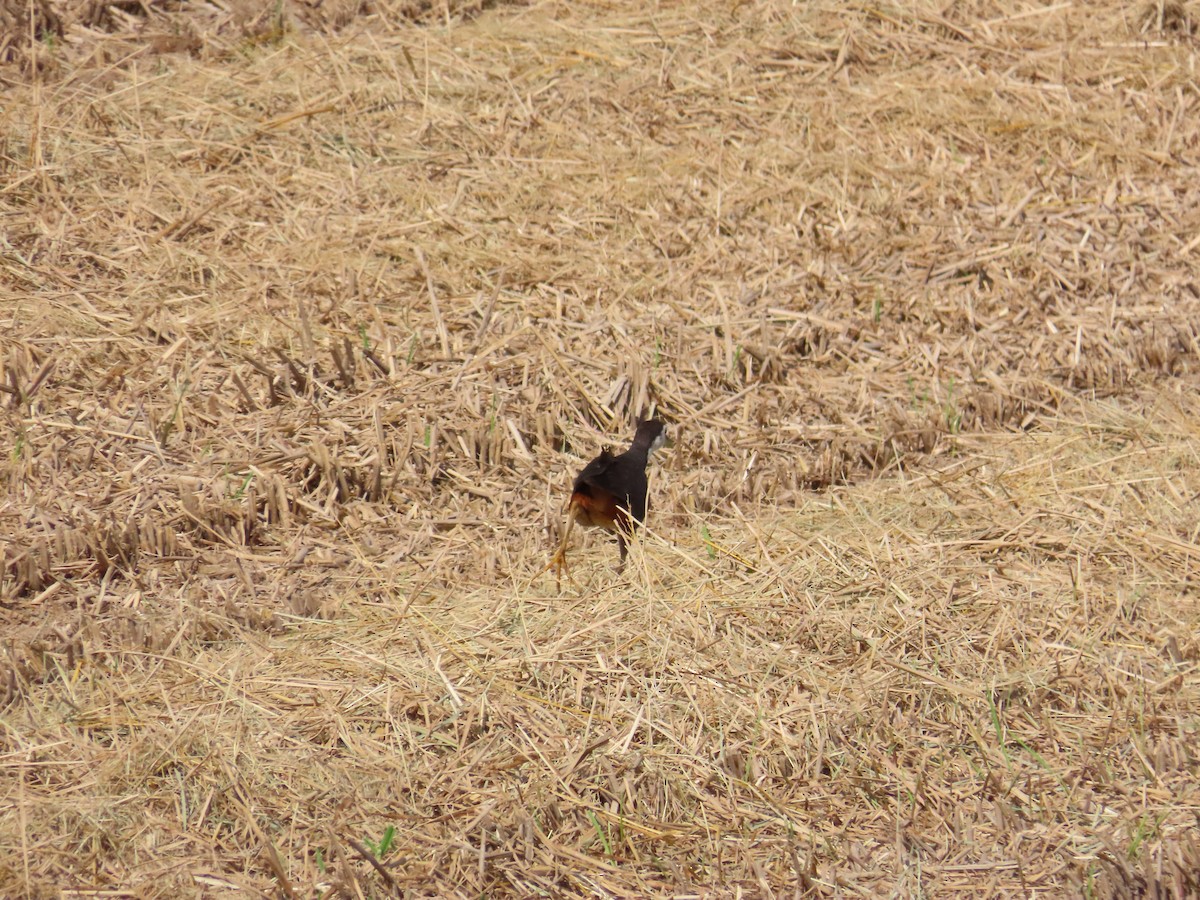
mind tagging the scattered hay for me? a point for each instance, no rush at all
(304, 332)
(1168, 17)
(49, 37)
(25, 25)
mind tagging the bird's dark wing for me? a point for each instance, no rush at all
(594, 472)
(621, 476)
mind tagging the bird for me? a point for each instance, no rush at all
(610, 493)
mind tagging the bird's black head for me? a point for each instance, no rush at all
(651, 434)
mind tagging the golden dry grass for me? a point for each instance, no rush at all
(309, 314)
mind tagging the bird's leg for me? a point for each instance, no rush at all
(560, 557)
(558, 562)
(623, 546)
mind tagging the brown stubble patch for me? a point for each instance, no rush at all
(304, 332)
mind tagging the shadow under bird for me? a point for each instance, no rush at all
(610, 493)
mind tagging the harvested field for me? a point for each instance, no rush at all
(309, 314)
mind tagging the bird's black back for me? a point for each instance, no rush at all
(623, 476)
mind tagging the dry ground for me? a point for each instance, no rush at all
(309, 312)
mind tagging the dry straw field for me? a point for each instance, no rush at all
(309, 313)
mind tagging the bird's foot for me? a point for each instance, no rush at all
(558, 562)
